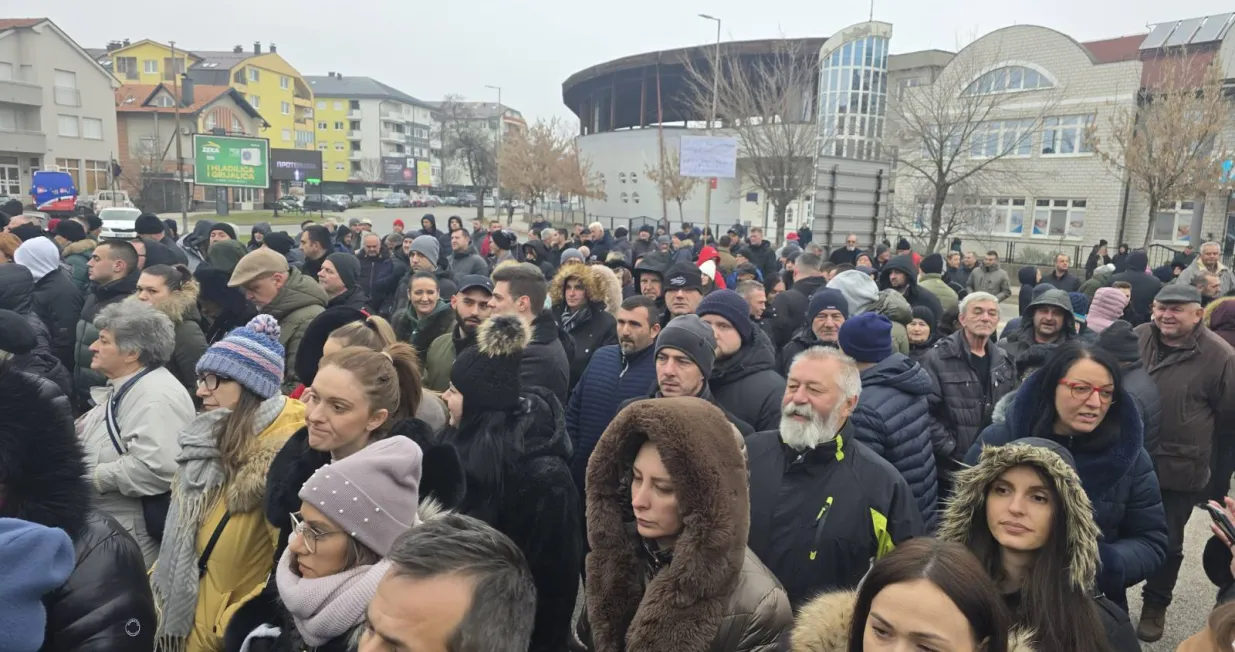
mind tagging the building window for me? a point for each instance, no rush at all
(210, 122)
(92, 128)
(353, 105)
(287, 134)
(339, 166)
(1066, 135)
(323, 125)
(236, 126)
(1002, 138)
(1000, 215)
(8, 119)
(73, 167)
(285, 82)
(254, 75)
(68, 126)
(96, 176)
(10, 177)
(1173, 222)
(127, 66)
(65, 90)
(339, 147)
(1008, 80)
(255, 101)
(164, 101)
(338, 125)
(150, 66)
(338, 106)
(172, 68)
(321, 105)
(6, 71)
(853, 93)
(323, 146)
(1059, 218)
(285, 108)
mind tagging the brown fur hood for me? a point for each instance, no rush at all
(967, 505)
(613, 288)
(84, 246)
(681, 608)
(592, 283)
(822, 625)
(180, 305)
(247, 489)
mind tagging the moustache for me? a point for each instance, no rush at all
(795, 410)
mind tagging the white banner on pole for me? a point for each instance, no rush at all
(708, 156)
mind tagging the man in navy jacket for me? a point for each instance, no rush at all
(616, 373)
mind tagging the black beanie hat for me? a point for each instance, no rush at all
(309, 354)
(71, 230)
(487, 375)
(925, 314)
(902, 244)
(683, 276)
(279, 241)
(226, 228)
(16, 334)
(148, 224)
(27, 231)
(932, 264)
(348, 267)
(1120, 341)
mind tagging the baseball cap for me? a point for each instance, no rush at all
(474, 281)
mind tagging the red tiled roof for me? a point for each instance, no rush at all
(1111, 50)
(202, 95)
(12, 23)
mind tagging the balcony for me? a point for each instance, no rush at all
(354, 134)
(302, 101)
(353, 114)
(355, 155)
(23, 142)
(393, 137)
(16, 92)
(65, 96)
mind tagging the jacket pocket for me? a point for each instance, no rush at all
(1182, 466)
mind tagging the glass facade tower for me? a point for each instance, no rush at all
(853, 92)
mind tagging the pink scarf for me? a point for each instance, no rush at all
(327, 607)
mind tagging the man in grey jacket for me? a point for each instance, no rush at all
(990, 278)
(463, 257)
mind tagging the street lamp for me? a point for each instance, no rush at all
(707, 207)
(497, 155)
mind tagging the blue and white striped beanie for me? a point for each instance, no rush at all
(250, 355)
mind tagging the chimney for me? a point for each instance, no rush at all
(273, 48)
(257, 47)
(113, 45)
(186, 91)
(237, 49)
(330, 74)
(126, 42)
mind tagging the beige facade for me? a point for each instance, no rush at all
(57, 108)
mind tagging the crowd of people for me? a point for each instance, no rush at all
(448, 439)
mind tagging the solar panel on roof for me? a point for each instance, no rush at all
(1158, 36)
(1213, 29)
(1184, 32)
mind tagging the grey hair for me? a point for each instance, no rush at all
(849, 381)
(809, 262)
(1215, 245)
(394, 240)
(503, 609)
(974, 297)
(137, 327)
(745, 288)
(547, 232)
(1201, 278)
(596, 225)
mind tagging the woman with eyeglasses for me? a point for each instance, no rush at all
(1078, 400)
(218, 548)
(349, 515)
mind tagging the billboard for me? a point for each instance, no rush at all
(231, 161)
(424, 174)
(399, 169)
(295, 164)
(708, 156)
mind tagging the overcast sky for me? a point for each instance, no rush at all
(529, 47)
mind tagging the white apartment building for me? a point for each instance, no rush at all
(488, 117)
(57, 108)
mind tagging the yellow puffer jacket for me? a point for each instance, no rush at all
(242, 558)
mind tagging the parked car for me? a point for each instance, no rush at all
(290, 204)
(119, 222)
(323, 203)
(343, 200)
(396, 200)
(104, 199)
(489, 202)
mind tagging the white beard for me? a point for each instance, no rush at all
(803, 436)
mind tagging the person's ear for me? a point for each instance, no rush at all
(377, 419)
(655, 329)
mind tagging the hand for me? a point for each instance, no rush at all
(1229, 507)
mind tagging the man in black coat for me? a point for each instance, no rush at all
(521, 290)
(338, 278)
(315, 243)
(428, 226)
(763, 255)
(57, 301)
(1061, 278)
(113, 272)
(1144, 286)
(744, 379)
(789, 307)
(846, 254)
(106, 604)
(901, 274)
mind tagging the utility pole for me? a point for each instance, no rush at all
(497, 156)
(707, 206)
(184, 213)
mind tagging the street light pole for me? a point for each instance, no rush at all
(497, 155)
(707, 206)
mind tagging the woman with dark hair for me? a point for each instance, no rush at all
(1097, 258)
(515, 451)
(927, 592)
(173, 291)
(219, 486)
(426, 316)
(1120, 260)
(1022, 511)
(1078, 400)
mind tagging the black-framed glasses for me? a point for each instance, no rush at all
(306, 532)
(211, 381)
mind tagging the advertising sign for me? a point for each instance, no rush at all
(424, 174)
(708, 156)
(295, 164)
(231, 161)
(399, 169)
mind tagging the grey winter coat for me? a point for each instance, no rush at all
(992, 280)
(468, 262)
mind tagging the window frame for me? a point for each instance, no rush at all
(254, 75)
(1049, 206)
(999, 78)
(147, 64)
(60, 123)
(1176, 211)
(285, 108)
(91, 121)
(1058, 131)
(285, 82)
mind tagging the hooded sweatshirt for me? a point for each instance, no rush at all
(1028, 276)
(858, 288)
(57, 301)
(262, 228)
(915, 295)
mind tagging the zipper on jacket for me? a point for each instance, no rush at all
(820, 520)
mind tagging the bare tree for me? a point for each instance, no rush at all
(147, 180)
(961, 131)
(465, 140)
(370, 171)
(768, 104)
(532, 161)
(669, 181)
(1170, 146)
(965, 213)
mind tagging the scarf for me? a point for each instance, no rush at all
(199, 482)
(327, 607)
(573, 320)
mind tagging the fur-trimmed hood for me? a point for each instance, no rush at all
(83, 247)
(179, 306)
(613, 287)
(822, 625)
(679, 608)
(592, 284)
(966, 509)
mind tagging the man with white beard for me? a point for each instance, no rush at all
(823, 507)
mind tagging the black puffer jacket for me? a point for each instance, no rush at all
(1144, 286)
(789, 309)
(546, 360)
(748, 385)
(106, 604)
(597, 330)
(967, 403)
(58, 303)
(17, 294)
(1122, 342)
